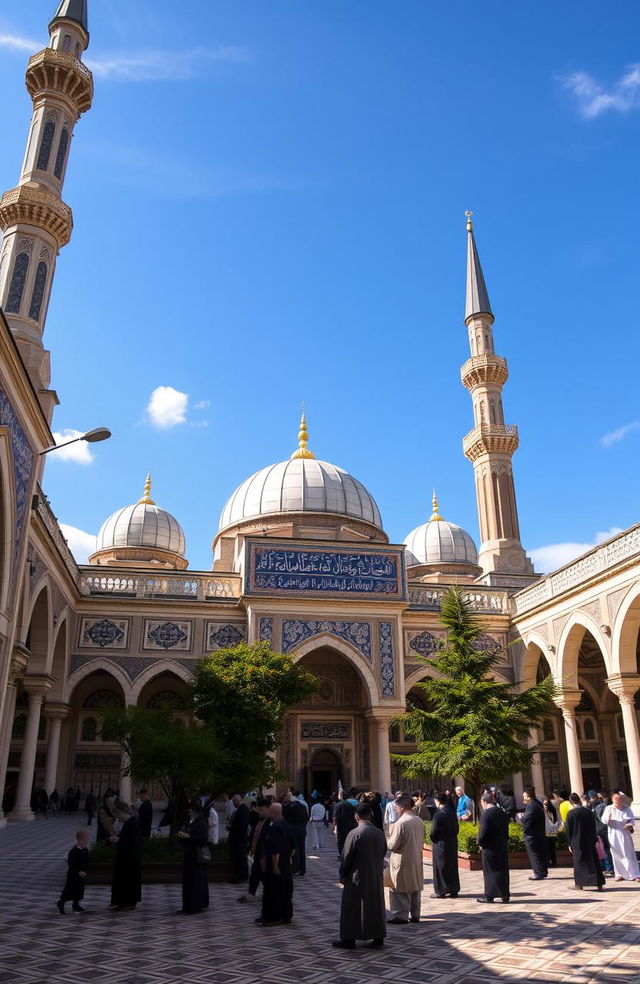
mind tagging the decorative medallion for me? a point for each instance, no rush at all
(167, 635)
(486, 644)
(387, 669)
(104, 634)
(424, 644)
(295, 631)
(266, 630)
(221, 636)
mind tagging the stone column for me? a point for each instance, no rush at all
(625, 689)
(537, 775)
(567, 701)
(16, 669)
(518, 787)
(606, 728)
(36, 687)
(383, 762)
(56, 713)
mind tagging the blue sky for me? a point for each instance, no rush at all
(269, 208)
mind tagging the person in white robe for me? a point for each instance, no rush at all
(619, 820)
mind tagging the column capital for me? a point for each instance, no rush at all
(383, 718)
(624, 686)
(37, 684)
(18, 664)
(56, 711)
(567, 700)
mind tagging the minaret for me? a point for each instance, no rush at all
(491, 444)
(35, 221)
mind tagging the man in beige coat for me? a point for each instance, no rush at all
(406, 844)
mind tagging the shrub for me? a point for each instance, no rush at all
(468, 839)
(157, 849)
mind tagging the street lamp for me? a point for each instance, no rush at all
(92, 436)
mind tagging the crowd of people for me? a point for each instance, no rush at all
(379, 840)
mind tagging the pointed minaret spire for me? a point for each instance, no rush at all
(477, 301)
(303, 439)
(491, 444)
(33, 217)
(146, 498)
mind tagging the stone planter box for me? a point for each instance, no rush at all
(518, 860)
(161, 873)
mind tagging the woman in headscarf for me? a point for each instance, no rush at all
(126, 885)
(195, 877)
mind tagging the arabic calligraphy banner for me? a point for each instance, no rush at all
(280, 568)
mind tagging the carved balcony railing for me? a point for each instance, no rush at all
(43, 509)
(500, 438)
(620, 548)
(489, 601)
(168, 585)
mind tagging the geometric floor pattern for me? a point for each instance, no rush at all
(548, 933)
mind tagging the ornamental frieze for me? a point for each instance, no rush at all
(295, 631)
(325, 729)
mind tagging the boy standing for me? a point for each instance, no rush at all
(78, 861)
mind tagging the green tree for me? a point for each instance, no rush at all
(242, 694)
(475, 727)
(162, 751)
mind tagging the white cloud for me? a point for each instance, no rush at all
(81, 544)
(594, 99)
(167, 407)
(19, 44)
(79, 452)
(202, 404)
(618, 435)
(555, 555)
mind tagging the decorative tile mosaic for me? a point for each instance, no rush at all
(167, 635)
(295, 631)
(23, 455)
(387, 667)
(266, 630)
(220, 635)
(104, 633)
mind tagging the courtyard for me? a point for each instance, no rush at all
(549, 932)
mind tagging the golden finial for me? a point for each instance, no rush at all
(146, 498)
(468, 215)
(303, 439)
(435, 516)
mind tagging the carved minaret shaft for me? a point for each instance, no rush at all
(491, 444)
(35, 221)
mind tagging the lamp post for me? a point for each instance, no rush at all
(92, 436)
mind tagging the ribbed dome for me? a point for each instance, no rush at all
(439, 542)
(143, 524)
(300, 485)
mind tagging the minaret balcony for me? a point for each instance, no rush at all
(32, 206)
(480, 370)
(62, 73)
(490, 439)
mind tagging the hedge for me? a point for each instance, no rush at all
(156, 849)
(468, 838)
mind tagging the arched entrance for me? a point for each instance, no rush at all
(325, 769)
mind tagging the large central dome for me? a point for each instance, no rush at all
(302, 484)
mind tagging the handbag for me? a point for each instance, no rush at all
(203, 855)
(550, 828)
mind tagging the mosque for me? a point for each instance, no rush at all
(300, 559)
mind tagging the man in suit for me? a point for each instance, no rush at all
(493, 838)
(534, 834)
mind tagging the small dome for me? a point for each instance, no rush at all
(143, 524)
(300, 484)
(439, 542)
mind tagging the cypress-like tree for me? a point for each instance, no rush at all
(476, 726)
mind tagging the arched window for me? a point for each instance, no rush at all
(589, 730)
(103, 698)
(77, 49)
(19, 727)
(38, 291)
(579, 730)
(67, 43)
(167, 698)
(62, 153)
(548, 730)
(89, 729)
(493, 413)
(16, 288)
(46, 143)
(394, 733)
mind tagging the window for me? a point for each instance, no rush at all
(549, 730)
(38, 291)
(62, 153)
(589, 729)
(46, 143)
(14, 300)
(89, 730)
(66, 46)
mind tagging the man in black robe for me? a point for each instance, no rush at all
(145, 813)
(444, 849)
(239, 839)
(493, 838)
(362, 911)
(296, 815)
(580, 828)
(195, 875)
(277, 895)
(344, 818)
(126, 885)
(535, 834)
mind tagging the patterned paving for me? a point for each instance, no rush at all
(550, 932)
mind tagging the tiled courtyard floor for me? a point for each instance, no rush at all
(549, 932)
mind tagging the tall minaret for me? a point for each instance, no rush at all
(35, 221)
(491, 443)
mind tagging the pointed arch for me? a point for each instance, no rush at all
(57, 667)
(7, 519)
(161, 668)
(40, 627)
(569, 645)
(624, 635)
(88, 669)
(534, 648)
(351, 654)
